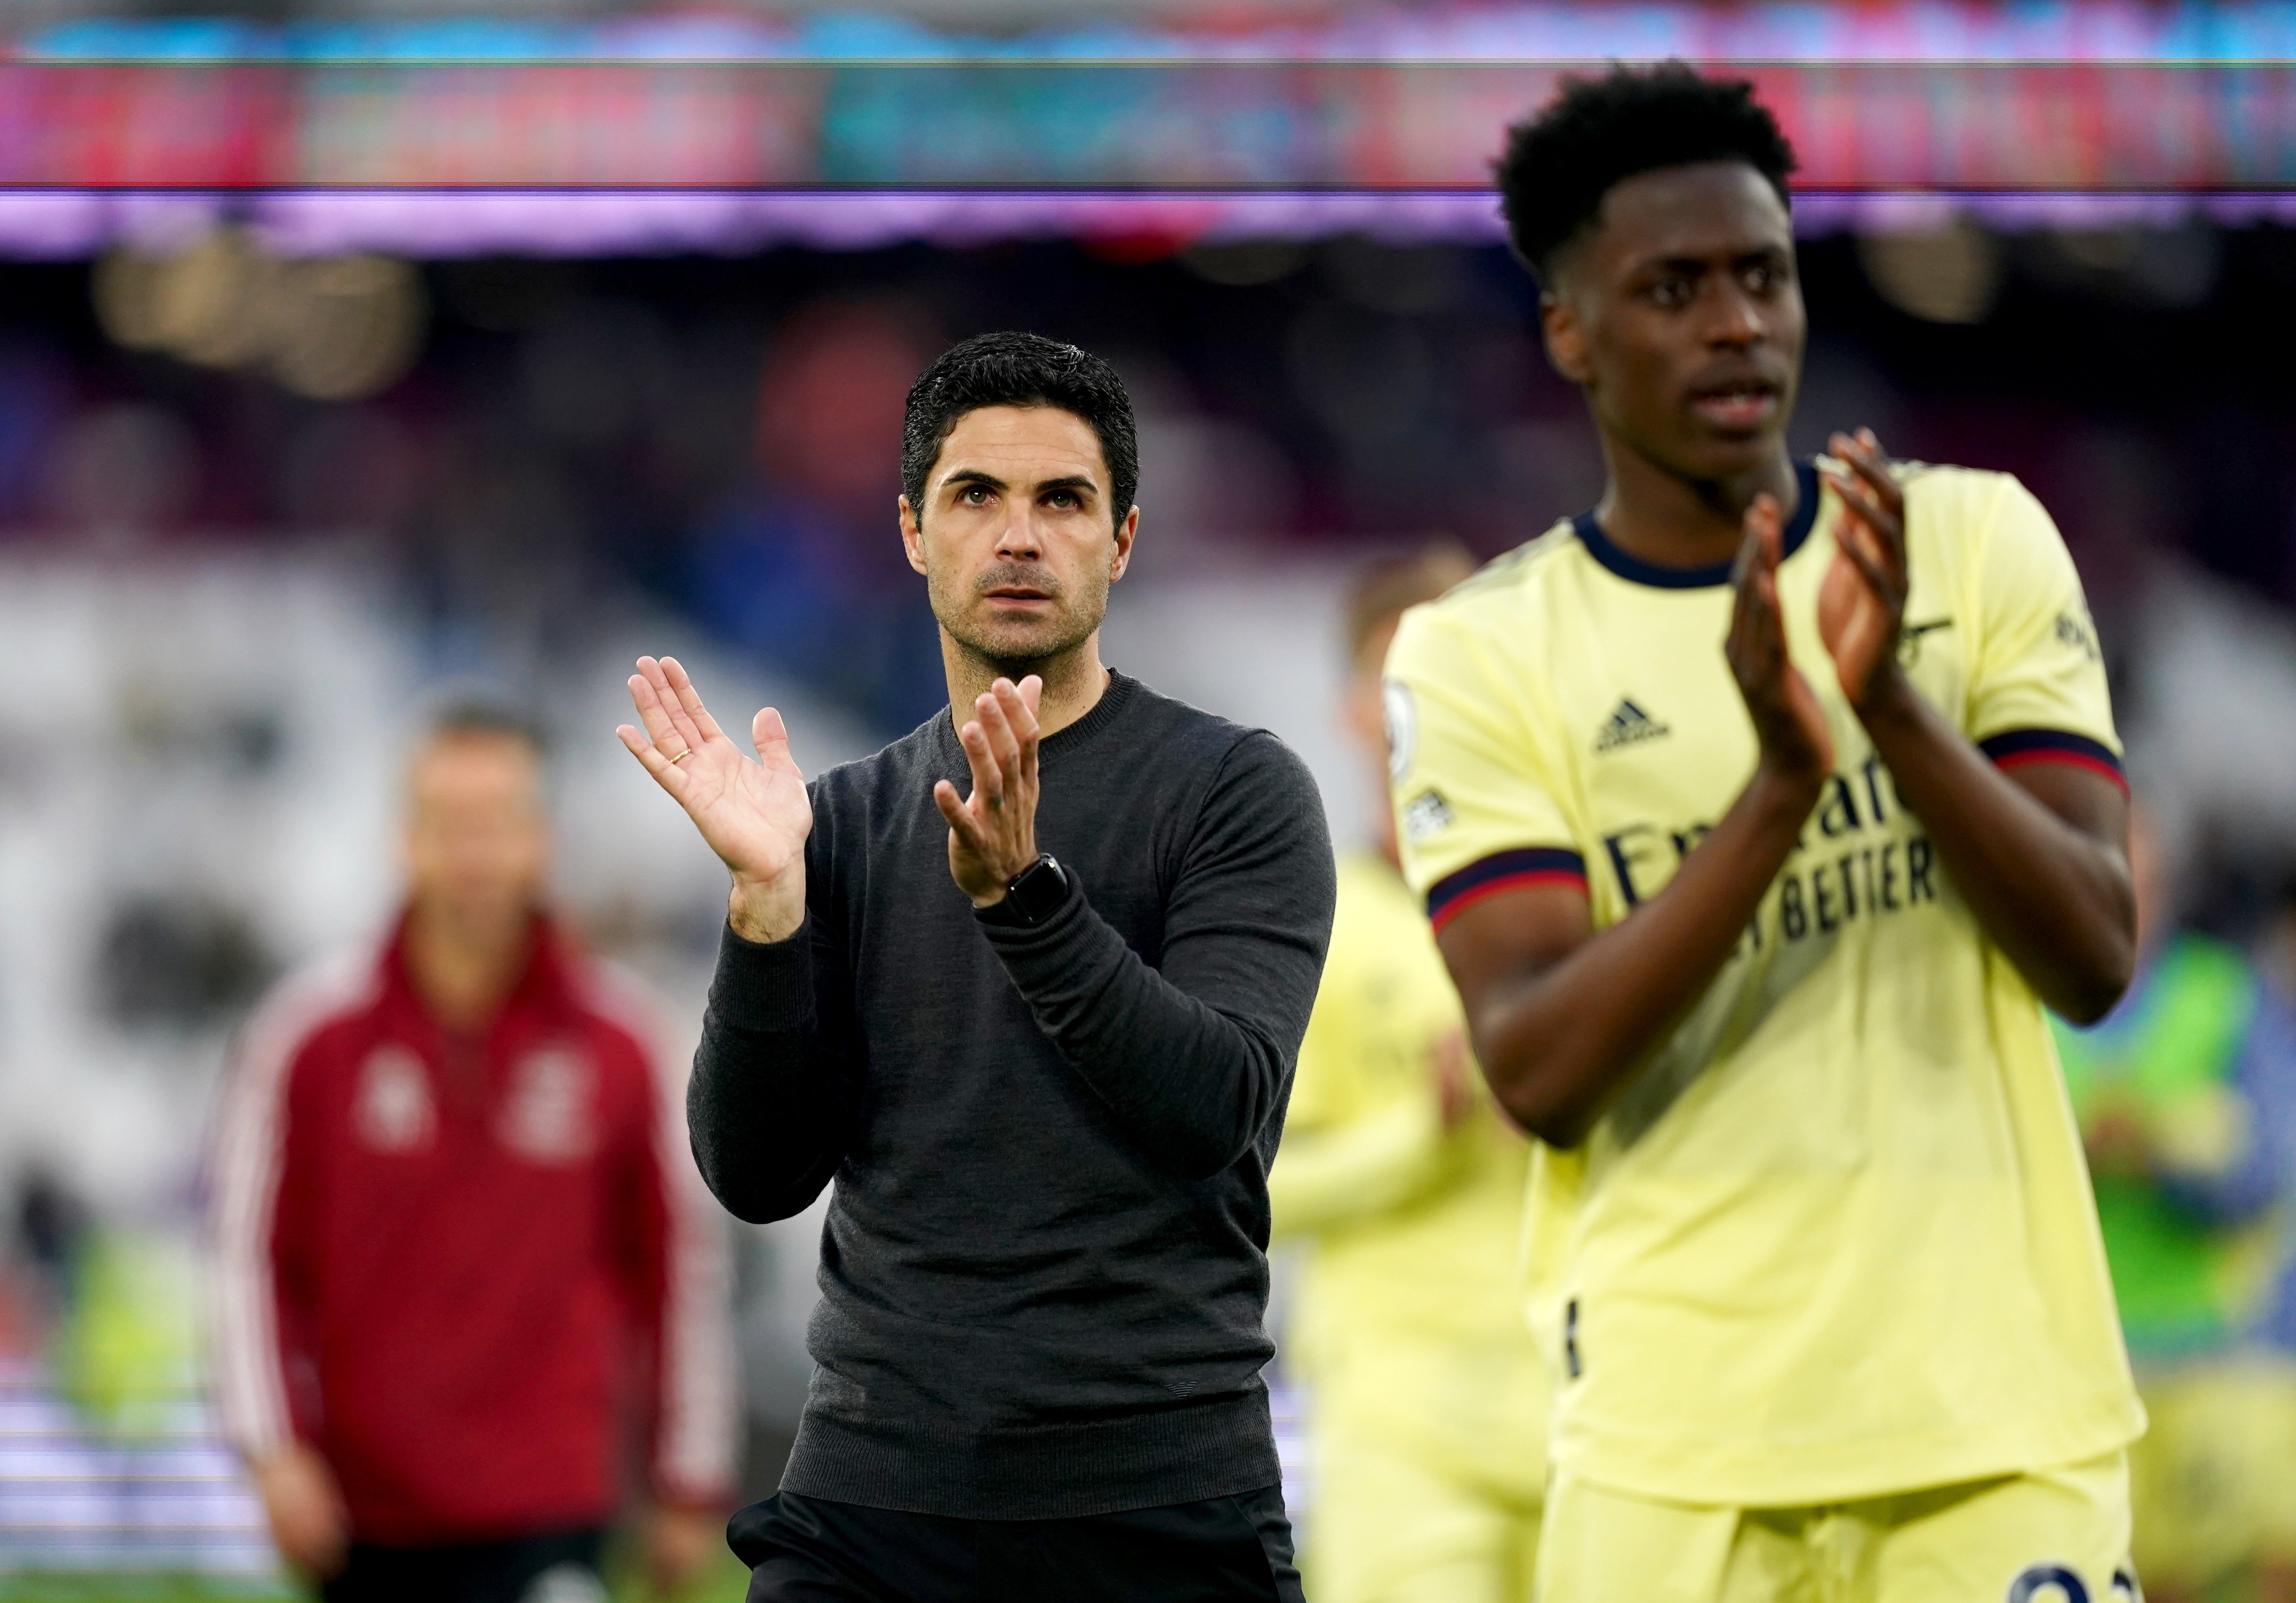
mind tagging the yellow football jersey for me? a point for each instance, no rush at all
(1836, 1238)
(1408, 1319)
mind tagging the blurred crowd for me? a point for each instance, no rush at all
(256, 516)
(2186, 1094)
(526, 442)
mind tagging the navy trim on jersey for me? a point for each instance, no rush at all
(1455, 893)
(2015, 748)
(1637, 572)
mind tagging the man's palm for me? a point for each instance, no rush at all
(1861, 602)
(1856, 626)
(754, 815)
(1788, 720)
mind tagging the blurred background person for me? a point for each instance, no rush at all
(1428, 1400)
(460, 1240)
(2271, 1061)
(2180, 1092)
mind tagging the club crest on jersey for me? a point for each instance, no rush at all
(547, 1115)
(1402, 726)
(1628, 726)
(393, 1111)
(1425, 816)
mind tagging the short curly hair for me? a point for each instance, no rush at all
(1015, 369)
(1558, 165)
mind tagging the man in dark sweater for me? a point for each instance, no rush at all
(1048, 1091)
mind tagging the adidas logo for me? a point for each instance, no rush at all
(1628, 726)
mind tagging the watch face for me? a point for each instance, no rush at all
(1038, 889)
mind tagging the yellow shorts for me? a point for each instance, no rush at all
(1429, 1464)
(2053, 1536)
(1390, 1528)
(2213, 1482)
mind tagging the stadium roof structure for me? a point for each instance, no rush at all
(733, 130)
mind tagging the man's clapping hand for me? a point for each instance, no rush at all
(1861, 605)
(1796, 747)
(992, 833)
(755, 815)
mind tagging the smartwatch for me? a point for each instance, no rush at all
(1036, 893)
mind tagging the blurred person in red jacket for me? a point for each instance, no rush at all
(461, 1242)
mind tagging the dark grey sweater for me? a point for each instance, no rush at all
(1044, 1276)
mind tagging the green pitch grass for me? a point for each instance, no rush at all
(725, 1583)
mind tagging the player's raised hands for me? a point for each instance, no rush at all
(1788, 721)
(755, 815)
(992, 833)
(1861, 602)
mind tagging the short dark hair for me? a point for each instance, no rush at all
(1014, 369)
(1558, 165)
(476, 717)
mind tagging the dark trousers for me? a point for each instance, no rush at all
(558, 1567)
(1222, 1549)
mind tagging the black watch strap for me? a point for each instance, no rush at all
(1036, 893)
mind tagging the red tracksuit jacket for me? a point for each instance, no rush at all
(444, 1263)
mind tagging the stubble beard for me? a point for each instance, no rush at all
(1018, 648)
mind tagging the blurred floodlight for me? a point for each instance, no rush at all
(127, 299)
(1950, 274)
(346, 325)
(201, 304)
(333, 328)
(1245, 263)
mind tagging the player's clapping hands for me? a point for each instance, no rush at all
(1861, 602)
(992, 833)
(1795, 742)
(755, 815)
